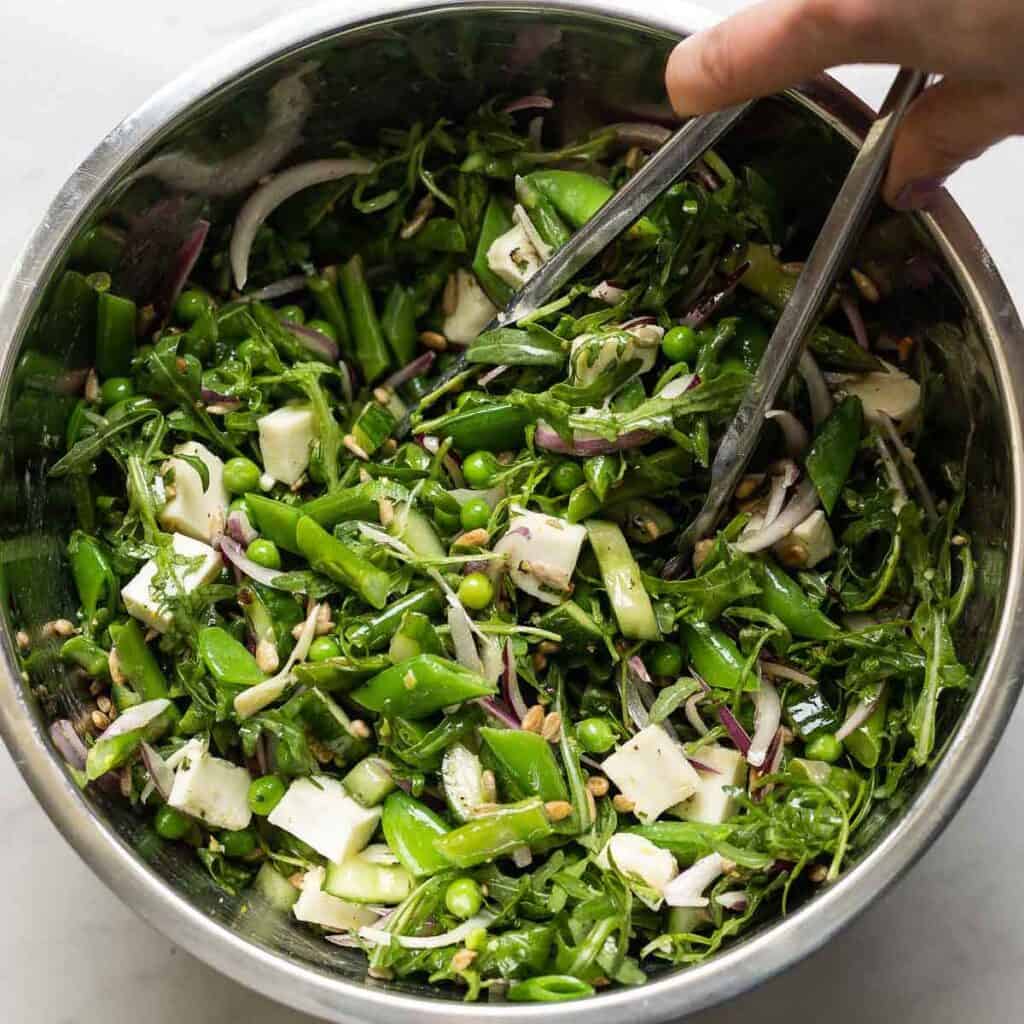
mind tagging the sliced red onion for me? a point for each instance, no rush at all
(803, 502)
(345, 940)
(637, 712)
(461, 628)
(529, 103)
(793, 431)
(910, 463)
(348, 386)
(136, 717)
(209, 395)
(702, 767)
(687, 888)
(71, 382)
(267, 198)
(817, 389)
(858, 715)
(68, 743)
(186, 259)
(417, 368)
(767, 716)
(496, 709)
(777, 671)
(736, 731)
(161, 777)
(454, 470)
(693, 714)
(233, 552)
(492, 375)
(737, 900)
(707, 306)
(638, 321)
(679, 385)
(513, 692)
(239, 528)
(853, 315)
(546, 437)
(278, 289)
(378, 936)
(314, 341)
(641, 134)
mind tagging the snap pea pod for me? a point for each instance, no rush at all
(416, 634)
(137, 661)
(583, 503)
(420, 686)
(339, 674)
(833, 450)
(524, 764)
(494, 427)
(495, 223)
(549, 988)
(600, 472)
(714, 656)
(376, 631)
(371, 349)
(324, 288)
(330, 556)
(411, 830)
(226, 659)
(784, 598)
(398, 322)
(543, 214)
(87, 654)
(622, 581)
(865, 742)
(92, 572)
(809, 713)
(687, 841)
(113, 751)
(115, 335)
(494, 835)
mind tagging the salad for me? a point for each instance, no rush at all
(381, 615)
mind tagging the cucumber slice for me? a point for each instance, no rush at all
(462, 776)
(579, 632)
(413, 527)
(622, 581)
(275, 888)
(369, 781)
(365, 878)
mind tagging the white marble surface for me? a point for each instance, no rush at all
(946, 946)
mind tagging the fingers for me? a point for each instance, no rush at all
(949, 124)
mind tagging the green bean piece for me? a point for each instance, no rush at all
(226, 659)
(784, 598)
(495, 223)
(578, 196)
(371, 350)
(524, 764)
(420, 686)
(115, 335)
(374, 633)
(493, 835)
(324, 288)
(398, 321)
(137, 661)
(833, 450)
(411, 830)
(715, 657)
(330, 556)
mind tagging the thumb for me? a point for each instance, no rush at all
(947, 125)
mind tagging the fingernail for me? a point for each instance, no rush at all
(919, 194)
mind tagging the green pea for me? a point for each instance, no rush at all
(476, 591)
(291, 314)
(264, 552)
(479, 469)
(680, 344)
(239, 504)
(324, 327)
(824, 748)
(265, 793)
(475, 514)
(116, 389)
(324, 647)
(463, 898)
(192, 304)
(238, 844)
(595, 735)
(170, 823)
(567, 476)
(241, 475)
(665, 660)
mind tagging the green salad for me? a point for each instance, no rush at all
(381, 612)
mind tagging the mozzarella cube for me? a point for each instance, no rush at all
(314, 906)
(889, 391)
(473, 310)
(640, 858)
(513, 257)
(814, 536)
(652, 771)
(192, 564)
(540, 553)
(194, 510)
(213, 790)
(286, 439)
(712, 803)
(320, 813)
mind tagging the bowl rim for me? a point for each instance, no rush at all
(763, 954)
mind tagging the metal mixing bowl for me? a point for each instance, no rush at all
(602, 61)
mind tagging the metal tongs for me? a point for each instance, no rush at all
(828, 258)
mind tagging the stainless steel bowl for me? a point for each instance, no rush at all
(385, 64)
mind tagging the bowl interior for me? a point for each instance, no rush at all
(347, 86)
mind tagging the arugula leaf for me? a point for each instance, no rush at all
(672, 698)
(85, 451)
(703, 598)
(511, 346)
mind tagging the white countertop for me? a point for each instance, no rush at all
(944, 947)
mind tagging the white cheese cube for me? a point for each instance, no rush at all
(320, 813)
(513, 257)
(192, 564)
(286, 437)
(889, 391)
(814, 536)
(194, 510)
(315, 906)
(213, 790)
(652, 771)
(711, 803)
(640, 858)
(473, 310)
(540, 553)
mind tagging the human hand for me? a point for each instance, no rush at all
(776, 44)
